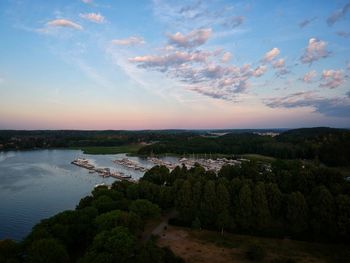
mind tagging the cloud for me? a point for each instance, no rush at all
(87, 1)
(234, 22)
(333, 107)
(332, 78)
(131, 41)
(278, 64)
(94, 17)
(259, 71)
(199, 73)
(343, 33)
(226, 57)
(333, 18)
(270, 55)
(309, 76)
(163, 62)
(64, 23)
(193, 39)
(306, 22)
(190, 8)
(315, 50)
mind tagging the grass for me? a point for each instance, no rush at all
(300, 251)
(130, 148)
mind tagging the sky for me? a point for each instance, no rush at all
(103, 64)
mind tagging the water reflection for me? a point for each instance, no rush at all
(37, 184)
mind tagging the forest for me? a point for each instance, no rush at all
(282, 199)
(326, 145)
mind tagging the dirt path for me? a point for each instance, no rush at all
(159, 228)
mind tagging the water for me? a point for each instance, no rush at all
(38, 184)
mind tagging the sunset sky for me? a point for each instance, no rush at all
(103, 64)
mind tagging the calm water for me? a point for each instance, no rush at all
(38, 184)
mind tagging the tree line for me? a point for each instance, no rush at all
(330, 146)
(288, 199)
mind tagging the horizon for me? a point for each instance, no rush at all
(94, 65)
(184, 129)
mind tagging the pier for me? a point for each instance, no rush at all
(131, 164)
(104, 172)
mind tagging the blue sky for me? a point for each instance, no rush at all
(99, 64)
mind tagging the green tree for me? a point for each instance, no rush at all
(343, 216)
(110, 220)
(321, 211)
(184, 203)
(274, 199)
(9, 251)
(261, 212)
(145, 209)
(196, 197)
(296, 213)
(245, 207)
(222, 207)
(117, 245)
(208, 204)
(47, 250)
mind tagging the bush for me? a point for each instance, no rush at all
(255, 253)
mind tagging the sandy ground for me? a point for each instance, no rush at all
(194, 250)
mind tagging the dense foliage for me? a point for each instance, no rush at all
(105, 227)
(287, 198)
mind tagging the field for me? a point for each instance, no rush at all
(209, 246)
(130, 148)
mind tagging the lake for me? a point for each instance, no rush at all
(38, 184)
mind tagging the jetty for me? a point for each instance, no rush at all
(131, 164)
(104, 172)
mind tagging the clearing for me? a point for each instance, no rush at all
(209, 246)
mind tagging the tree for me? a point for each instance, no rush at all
(104, 204)
(9, 251)
(261, 212)
(196, 224)
(197, 197)
(110, 220)
(47, 250)
(208, 204)
(157, 175)
(245, 207)
(222, 206)
(117, 245)
(144, 209)
(274, 199)
(184, 203)
(321, 211)
(343, 216)
(296, 213)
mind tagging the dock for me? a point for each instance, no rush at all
(130, 164)
(104, 172)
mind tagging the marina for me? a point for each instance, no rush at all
(128, 164)
(104, 172)
(208, 164)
